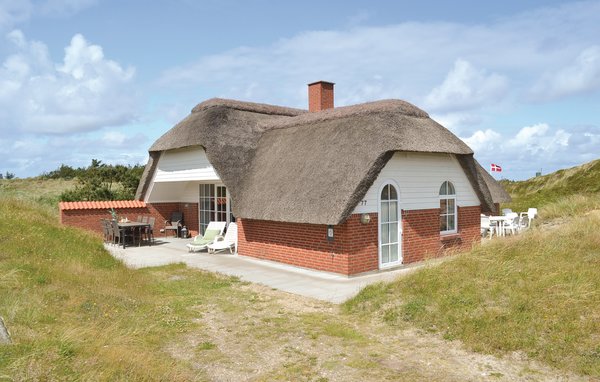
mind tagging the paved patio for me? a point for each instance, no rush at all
(320, 285)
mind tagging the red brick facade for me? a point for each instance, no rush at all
(89, 219)
(355, 246)
(353, 250)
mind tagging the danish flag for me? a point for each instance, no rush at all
(496, 168)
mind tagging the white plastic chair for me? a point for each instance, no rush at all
(213, 230)
(506, 211)
(529, 215)
(511, 223)
(486, 227)
(229, 241)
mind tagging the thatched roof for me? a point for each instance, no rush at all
(227, 130)
(285, 164)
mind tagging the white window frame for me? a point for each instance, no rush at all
(214, 212)
(399, 212)
(454, 213)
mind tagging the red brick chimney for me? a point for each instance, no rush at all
(320, 96)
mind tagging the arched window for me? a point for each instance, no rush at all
(389, 221)
(447, 208)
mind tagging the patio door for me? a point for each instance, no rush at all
(390, 251)
(214, 204)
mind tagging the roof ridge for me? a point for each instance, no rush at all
(255, 107)
(387, 105)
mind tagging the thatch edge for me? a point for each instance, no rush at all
(366, 183)
(147, 175)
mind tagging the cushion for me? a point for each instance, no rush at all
(210, 234)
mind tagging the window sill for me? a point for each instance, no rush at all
(449, 236)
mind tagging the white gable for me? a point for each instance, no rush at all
(178, 174)
(419, 177)
(189, 164)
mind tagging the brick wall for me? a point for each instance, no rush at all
(355, 248)
(89, 219)
(420, 234)
(422, 239)
(303, 245)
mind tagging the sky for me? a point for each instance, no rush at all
(518, 81)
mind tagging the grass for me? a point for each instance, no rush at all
(548, 189)
(44, 193)
(537, 293)
(76, 313)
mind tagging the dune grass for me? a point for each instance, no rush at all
(537, 293)
(44, 193)
(544, 190)
(76, 313)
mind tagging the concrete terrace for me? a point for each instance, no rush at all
(319, 285)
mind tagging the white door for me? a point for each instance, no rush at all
(390, 251)
(214, 204)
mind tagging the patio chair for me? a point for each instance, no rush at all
(230, 240)
(175, 223)
(106, 234)
(511, 223)
(120, 235)
(149, 231)
(527, 217)
(201, 242)
(486, 227)
(506, 211)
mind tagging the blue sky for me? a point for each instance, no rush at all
(519, 81)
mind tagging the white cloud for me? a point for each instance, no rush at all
(482, 141)
(534, 147)
(581, 76)
(409, 59)
(33, 154)
(85, 92)
(466, 87)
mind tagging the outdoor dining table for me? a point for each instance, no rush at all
(134, 226)
(499, 222)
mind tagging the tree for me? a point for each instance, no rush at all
(9, 175)
(100, 181)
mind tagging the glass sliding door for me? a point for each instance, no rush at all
(213, 205)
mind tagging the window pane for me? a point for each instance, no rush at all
(385, 254)
(443, 223)
(443, 206)
(450, 189)
(385, 216)
(385, 232)
(393, 232)
(384, 193)
(394, 253)
(443, 190)
(393, 194)
(393, 211)
(451, 221)
(451, 206)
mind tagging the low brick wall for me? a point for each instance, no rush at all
(89, 218)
